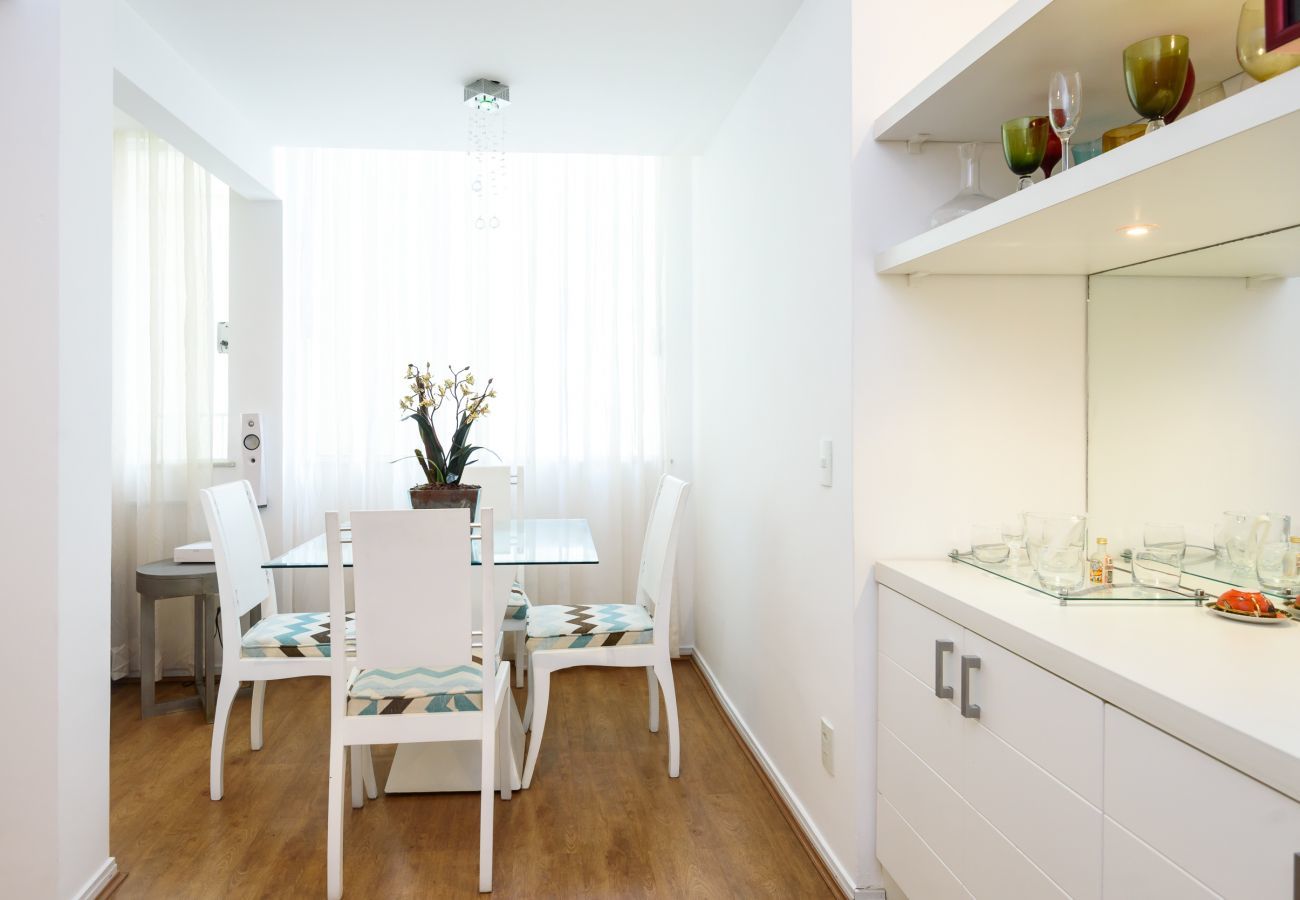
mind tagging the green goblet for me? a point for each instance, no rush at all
(1155, 72)
(1024, 142)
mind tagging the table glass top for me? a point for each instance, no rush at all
(518, 542)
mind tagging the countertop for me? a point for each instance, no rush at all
(1231, 689)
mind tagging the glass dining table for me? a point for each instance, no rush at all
(517, 542)
(455, 765)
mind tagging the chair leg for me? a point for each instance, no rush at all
(334, 829)
(520, 657)
(505, 755)
(225, 699)
(356, 764)
(486, 790)
(255, 724)
(665, 672)
(539, 697)
(528, 704)
(654, 698)
(368, 773)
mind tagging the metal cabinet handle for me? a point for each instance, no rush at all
(941, 690)
(968, 710)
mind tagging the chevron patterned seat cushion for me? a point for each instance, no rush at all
(603, 625)
(517, 607)
(293, 635)
(391, 692)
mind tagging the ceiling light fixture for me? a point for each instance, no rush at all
(487, 95)
(484, 100)
(1137, 230)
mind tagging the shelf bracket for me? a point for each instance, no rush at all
(916, 142)
(1255, 282)
(913, 278)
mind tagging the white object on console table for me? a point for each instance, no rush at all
(1223, 687)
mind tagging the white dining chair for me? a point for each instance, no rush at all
(279, 645)
(615, 634)
(502, 489)
(414, 678)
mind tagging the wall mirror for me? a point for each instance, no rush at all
(1194, 402)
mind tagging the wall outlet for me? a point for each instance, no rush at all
(828, 746)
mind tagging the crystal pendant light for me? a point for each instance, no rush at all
(485, 99)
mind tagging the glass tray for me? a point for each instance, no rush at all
(1202, 562)
(1123, 591)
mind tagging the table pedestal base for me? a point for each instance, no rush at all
(449, 765)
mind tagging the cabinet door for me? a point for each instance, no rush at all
(1226, 830)
(1134, 869)
(1023, 709)
(931, 728)
(909, 633)
(981, 859)
(908, 859)
(1052, 722)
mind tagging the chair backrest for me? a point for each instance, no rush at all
(411, 576)
(239, 549)
(494, 486)
(503, 490)
(654, 583)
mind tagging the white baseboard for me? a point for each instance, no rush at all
(90, 890)
(837, 869)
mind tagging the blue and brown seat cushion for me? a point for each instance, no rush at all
(293, 635)
(602, 625)
(394, 692)
(517, 607)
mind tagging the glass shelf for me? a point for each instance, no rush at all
(1123, 591)
(1202, 562)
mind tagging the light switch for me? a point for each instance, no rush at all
(826, 463)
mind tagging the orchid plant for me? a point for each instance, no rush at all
(445, 466)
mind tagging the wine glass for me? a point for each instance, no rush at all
(1065, 106)
(1024, 141)
(1155, 73)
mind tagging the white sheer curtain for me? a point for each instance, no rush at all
(163, 347)
(560, 304)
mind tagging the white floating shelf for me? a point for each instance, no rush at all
(1224, 173)
(1003, 72)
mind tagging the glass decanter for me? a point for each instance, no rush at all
(969, 198)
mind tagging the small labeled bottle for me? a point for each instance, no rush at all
(1101, 568)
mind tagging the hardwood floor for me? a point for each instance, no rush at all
(603, 819)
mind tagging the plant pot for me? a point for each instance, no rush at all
(446, 496)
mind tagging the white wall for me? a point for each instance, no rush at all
(772, 345)
(678, 275)
(257, 344)
(1192, 402)
(55, 61)
(968, 393)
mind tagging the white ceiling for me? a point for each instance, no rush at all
(616, 76)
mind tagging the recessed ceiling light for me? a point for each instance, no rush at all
(1137, 230)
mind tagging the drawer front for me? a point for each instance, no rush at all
(1053, 826)
(1191, 808)
(1055, 724)
(931, 728)
(908, 632)
(909, 861)
(984, 862)
(1133, 869)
